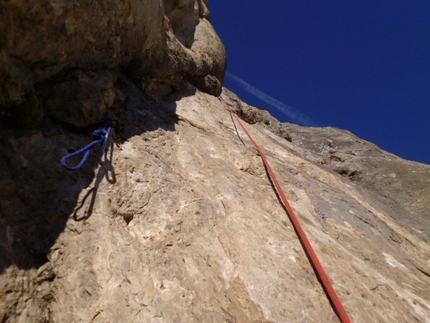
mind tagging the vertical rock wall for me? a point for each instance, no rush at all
(179, 223)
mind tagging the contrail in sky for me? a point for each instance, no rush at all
(287, 110)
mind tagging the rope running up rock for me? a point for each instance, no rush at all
(337, 305)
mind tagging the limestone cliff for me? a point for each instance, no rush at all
(181, 224)
(178, 221)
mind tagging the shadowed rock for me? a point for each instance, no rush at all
(48, 47)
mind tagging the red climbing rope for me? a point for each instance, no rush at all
(313, 258)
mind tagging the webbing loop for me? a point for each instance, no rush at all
(101, 136)
(337, 305)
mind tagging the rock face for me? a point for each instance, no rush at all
(57, 53)
(179, 222)
(401, 184)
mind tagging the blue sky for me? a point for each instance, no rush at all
(358, 65)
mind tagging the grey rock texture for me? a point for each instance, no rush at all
(179, 223)
(260, 117)
(47, 47)
(402, 184)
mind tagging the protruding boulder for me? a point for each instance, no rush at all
(46, 43)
